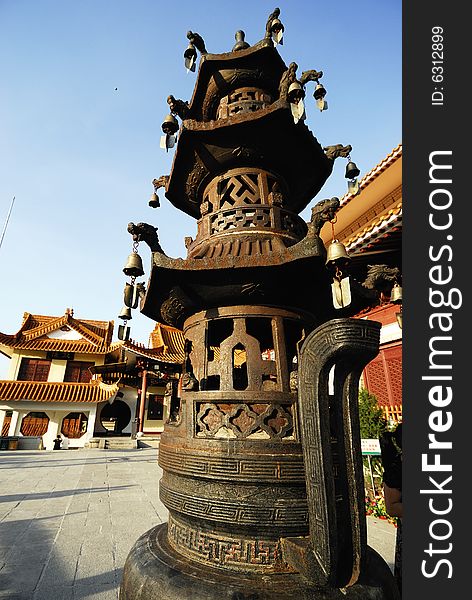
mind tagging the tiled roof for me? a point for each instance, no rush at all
(167, 339)
(49, 391)
(32, 335)
(176, 357)
(382, 225)
(166, 345)
(46, 345)
(394, 155)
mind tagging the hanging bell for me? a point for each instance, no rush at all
(351, 170)
(277, 31)
(190, 56)
(170, 125)
(295, 92)
(134, 265)
(154, 201)
(319, 95)
(125, 313)
(131, 295)
(396, 294)
(337, 254)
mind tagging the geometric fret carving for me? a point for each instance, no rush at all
(219, 549)
(288, 514)
(263, 469)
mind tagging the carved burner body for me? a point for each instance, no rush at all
(262, 468)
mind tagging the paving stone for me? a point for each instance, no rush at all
(54, 592)
(100, 566)
(95, 592)
(75, 516)
(381, 537)
(20, 576)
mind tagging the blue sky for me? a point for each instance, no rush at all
(79, 156)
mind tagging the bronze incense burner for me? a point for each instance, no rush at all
(262, 468)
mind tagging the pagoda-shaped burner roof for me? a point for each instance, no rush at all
(219, 74)
(268, 138)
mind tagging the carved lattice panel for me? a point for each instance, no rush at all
(252, 421)
(383, 376)
(239, 190)
(393, 357)
(242, 101)
(376, 380)
(240, 219)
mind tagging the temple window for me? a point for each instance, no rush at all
(34, 369)
(34, 423)
(74, 425)
(6, 422)
(78, 371)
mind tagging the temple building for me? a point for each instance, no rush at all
(67, 376)
(369, 224)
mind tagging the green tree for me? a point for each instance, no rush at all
(371, 416)
(372, 425)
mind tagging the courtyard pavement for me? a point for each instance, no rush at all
(68, 520)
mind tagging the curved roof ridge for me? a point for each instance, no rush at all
(44, 328)
(92, 336)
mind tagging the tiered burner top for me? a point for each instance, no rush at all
(243, 214)
(238, 118)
